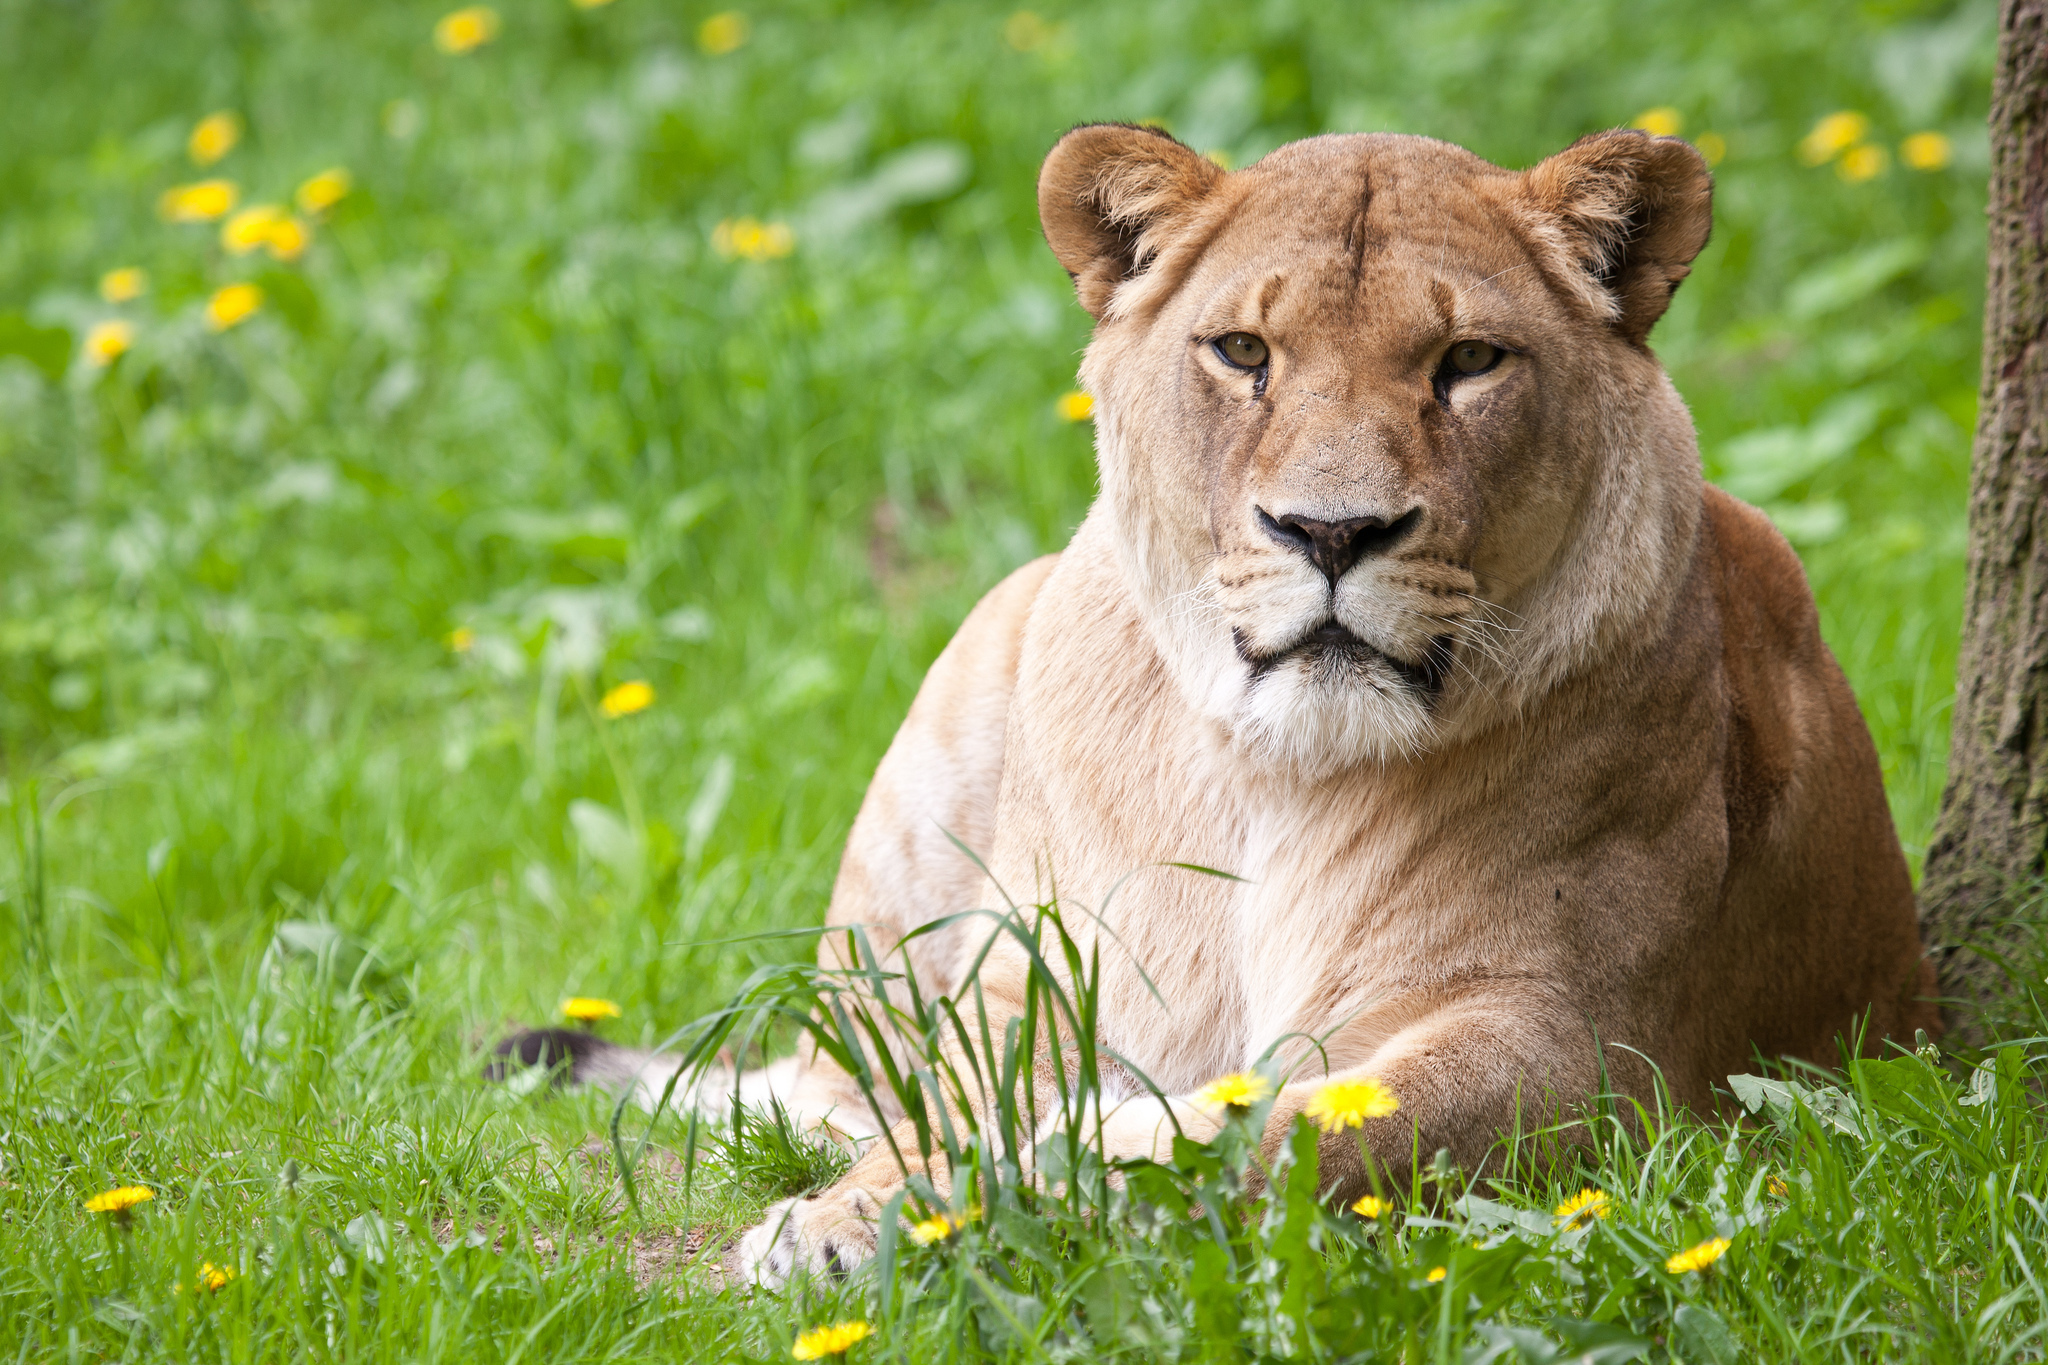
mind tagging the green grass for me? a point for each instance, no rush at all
(280, 861)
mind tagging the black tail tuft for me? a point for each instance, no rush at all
(567, 1052)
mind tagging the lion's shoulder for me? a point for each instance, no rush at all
(1766, 605)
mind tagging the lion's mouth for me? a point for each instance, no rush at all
(1332, 647)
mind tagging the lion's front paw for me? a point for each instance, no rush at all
(828, 1235)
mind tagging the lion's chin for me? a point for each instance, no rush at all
(1313, 715)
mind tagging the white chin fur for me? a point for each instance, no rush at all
(1302, 718)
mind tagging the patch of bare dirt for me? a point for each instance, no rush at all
(654, 1256)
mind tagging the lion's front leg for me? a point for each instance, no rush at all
(1464, 1078)
(830, 1234)
(835, 1231)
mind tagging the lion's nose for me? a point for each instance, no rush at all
(1334, 546)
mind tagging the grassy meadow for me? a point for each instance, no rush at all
(718, 353)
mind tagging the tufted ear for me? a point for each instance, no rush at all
(1627, 212)
(1104, 194)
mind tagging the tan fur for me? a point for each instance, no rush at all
(1636, 821)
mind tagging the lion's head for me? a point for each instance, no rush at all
(1384, 448)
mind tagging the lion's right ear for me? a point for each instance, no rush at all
(1625, 213)
(1108, 193)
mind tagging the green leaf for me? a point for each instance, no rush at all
(1783, 1100)
(1701, 1336)
(1214, 1294)
(1601, 1343)
(1902, 1087)
(1110, 1303)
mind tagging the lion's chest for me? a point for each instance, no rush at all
(1338, 917)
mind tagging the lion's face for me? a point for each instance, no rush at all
(1354, 405)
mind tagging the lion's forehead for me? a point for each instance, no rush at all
(1379, 224)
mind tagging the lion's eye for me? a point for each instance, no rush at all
(1242, 349)
(1473, 357)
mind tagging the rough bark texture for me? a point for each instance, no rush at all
(1988, 845)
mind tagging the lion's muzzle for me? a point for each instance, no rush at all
(1335, 546)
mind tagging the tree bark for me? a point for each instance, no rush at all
(1986, 857)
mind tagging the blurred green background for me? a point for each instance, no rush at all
(719, 352)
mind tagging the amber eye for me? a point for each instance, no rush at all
(1242, 349)
(1473, 357)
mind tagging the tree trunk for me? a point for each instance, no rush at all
(1988, 846)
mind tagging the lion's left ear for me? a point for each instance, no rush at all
(1627, 213)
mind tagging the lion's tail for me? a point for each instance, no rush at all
(576, 1057)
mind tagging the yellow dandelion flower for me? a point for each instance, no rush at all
(230, 304)
(1838, 130)
(1697, 1257)
(627, 698)
(319, 193)
(1865, 162)
(106, 341)
(121, 286)
(1777, 1188)
(835, 1340)
(288, 238)
(120, 1199)
(462, 639)
(738, 237)
(752, 239)
(588, 1009)
(722, 33)
(1436, 1275)
(214, 136)
(1926, 151)
(200, 202)
(267, 226)
(1238, 1090)
(1713, 147)
(936, 1228)
(214, 1278)
(1075, 406)
(1372, 1207)
(1663, 121)
(465, 30)
(590, 4)
(250, 229)
(1026, 32)
(1348, 1104)
(1583, 1207)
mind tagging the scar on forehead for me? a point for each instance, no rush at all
(1269, 294)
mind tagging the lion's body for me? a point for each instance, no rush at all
(1519, 739)
(1690, 854)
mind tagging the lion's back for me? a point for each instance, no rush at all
(1817, 880)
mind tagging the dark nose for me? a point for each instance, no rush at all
(1334, 546)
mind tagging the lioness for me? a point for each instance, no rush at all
(1405, 601)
